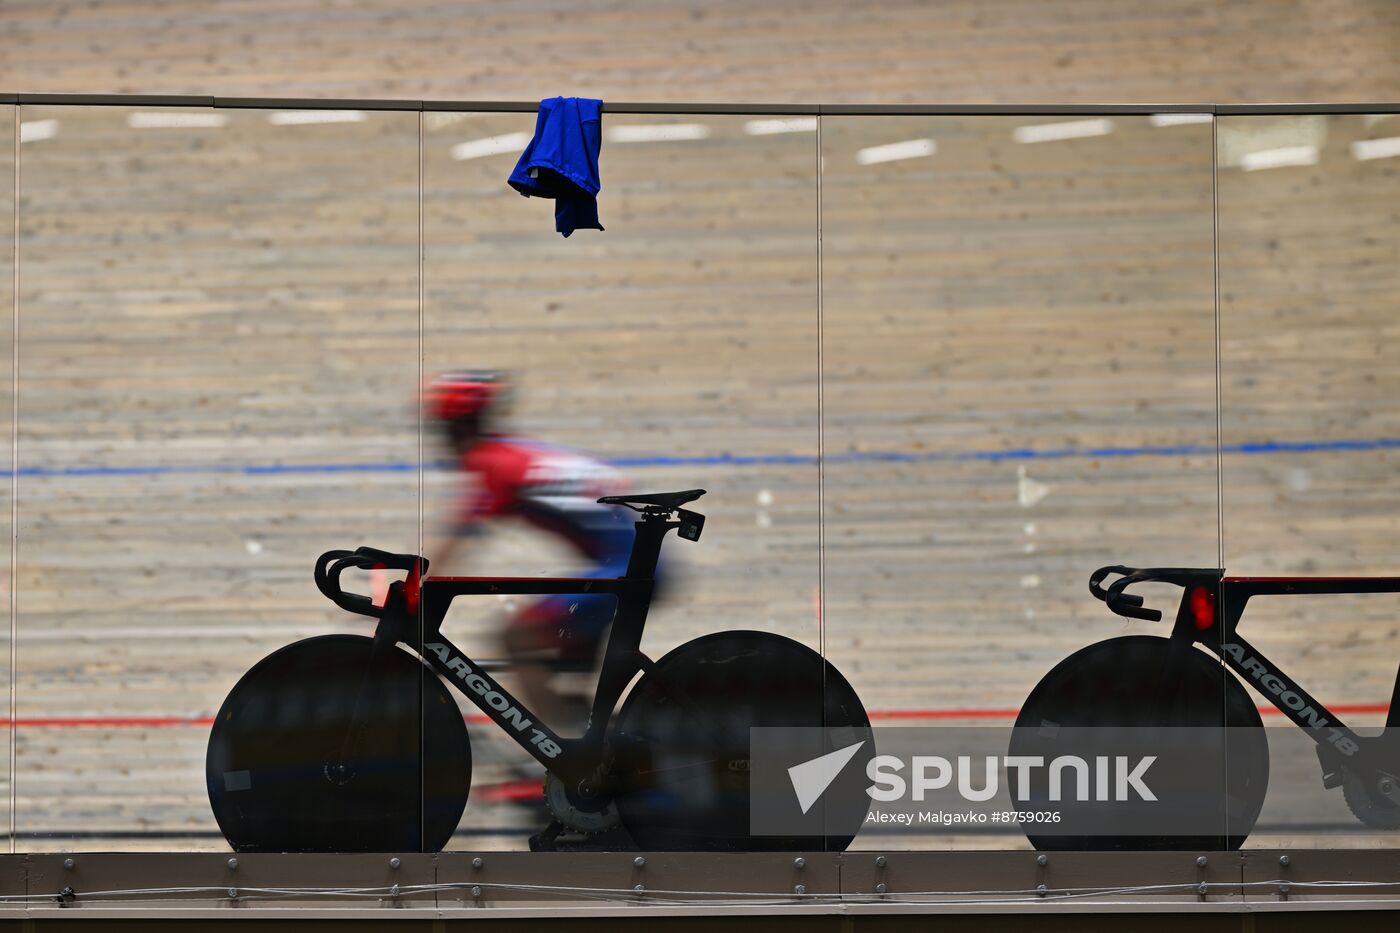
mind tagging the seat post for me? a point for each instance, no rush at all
(646, 546)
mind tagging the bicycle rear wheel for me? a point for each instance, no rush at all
(324, 747)
(681, 741)
(1145, 694)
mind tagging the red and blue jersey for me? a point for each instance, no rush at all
(552, 488)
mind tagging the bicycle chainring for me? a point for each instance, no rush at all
(1368, 804)
(586, 817)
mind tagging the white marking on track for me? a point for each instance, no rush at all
(1364, 149)
(1055, 132)
(1283, 157)
(1178, 119)
(489, 146)
(1028, 491)
(656, 132)
(162, 120)
(895, 152)
(306, 117)
(33, 131)
(774, 127)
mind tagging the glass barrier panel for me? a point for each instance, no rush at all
(677, 349)
(1310, 430)
(9, 128)
(1018, 388)
(218, 383)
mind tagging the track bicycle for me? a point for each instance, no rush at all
(344, 743)
(1170, 690)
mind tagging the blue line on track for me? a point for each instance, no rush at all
(878, 456)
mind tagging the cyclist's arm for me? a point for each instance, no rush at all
(441, 552)
(468, 521)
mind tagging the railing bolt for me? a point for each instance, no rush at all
(68, 864)
(394, 862)
(1042, 859)
(1284, 860)
(799, 889)
(639, 862)
(1283, 889)
(639, 888)
(476, 862)
(799, 862)
(1041, 890)
(881, 888)
(1202, 890)
(233, 864)
(233, 893)
(393, 890)
(1202, 861)
(476, 890)
(881, 861)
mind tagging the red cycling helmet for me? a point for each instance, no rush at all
(457, 396)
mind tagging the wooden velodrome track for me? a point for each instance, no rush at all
(1016, 343)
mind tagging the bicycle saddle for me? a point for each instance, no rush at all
(655, 501)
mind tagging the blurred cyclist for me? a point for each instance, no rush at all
(556, 491)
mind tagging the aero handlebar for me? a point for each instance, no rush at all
(1128, 605)
(1124, 604)
(330, 565)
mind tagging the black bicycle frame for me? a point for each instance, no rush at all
(574, 760)
(1212, 605)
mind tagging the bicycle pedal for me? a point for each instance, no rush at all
(1331, 774)
(544, 840)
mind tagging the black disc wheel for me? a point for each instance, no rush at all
(681, 742)
(1142, 696)
(324, 746)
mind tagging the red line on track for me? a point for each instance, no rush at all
(943, 713)
(476, 719)
(1342, 709)
(106, 722)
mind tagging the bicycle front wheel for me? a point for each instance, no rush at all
(323, 746)
(1149, 696)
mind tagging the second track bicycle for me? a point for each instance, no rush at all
(1178, 697)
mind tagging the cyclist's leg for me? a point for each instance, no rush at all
(531, 638)
(554, 634)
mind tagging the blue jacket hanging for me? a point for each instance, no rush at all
(561, 162)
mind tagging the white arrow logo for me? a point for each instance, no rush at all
(811, 778)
